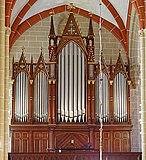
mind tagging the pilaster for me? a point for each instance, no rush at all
(142, 35)
(6, 96)
(2, 75)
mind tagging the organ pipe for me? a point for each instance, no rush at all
(40, 98)
(21, 98)
(71, 84)
(105, 98)
(120, 98)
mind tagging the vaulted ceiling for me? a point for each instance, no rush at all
(22, 14)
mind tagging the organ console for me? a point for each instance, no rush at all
(56, 101)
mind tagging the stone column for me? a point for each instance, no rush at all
(6, 100)
(142, 34)
(2, 75)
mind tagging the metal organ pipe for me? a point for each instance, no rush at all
(75, 83)
(59, 91)
(62, 87)
(71, 84)
(79, 85)
(105, 98)
(83, 88)
(40, 98)
(71, 81)
(66, 83)
(120, 98)
(21, 98)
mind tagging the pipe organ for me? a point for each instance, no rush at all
(55, 102)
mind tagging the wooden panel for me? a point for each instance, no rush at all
(125, 142)
(97, 141)
(21, 141)
(116, 141)
(40, 141)
(84, 155)
(106, 141)
(71, 140)
(121, 141)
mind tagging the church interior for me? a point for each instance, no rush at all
(72, 80)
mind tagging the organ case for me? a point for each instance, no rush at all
(55, 104)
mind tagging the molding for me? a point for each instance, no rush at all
(52, 81)
(111, 82)
(31, 81)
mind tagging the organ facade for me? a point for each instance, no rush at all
(56, 101)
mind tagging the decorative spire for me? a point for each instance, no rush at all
(52, 30)
(71, 28)
(41, 50)
(90, 31)
(119, 51)
(23, 50)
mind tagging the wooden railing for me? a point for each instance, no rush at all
(73, 155)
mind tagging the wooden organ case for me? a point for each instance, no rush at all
(55, 105)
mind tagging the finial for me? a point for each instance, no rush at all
(90, 30)
(71, 7)
(23, 49)
(51, 13)
(119, 51)
(52, 30)
(41, 50)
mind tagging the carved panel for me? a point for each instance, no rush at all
(120, 67)
(71, 140)
(40, 141)
(106, 141)
(91, 56)
(41, 66)
(20, 67)
(125, 142)
(121, 141)
(21, 141)
(52, 53)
